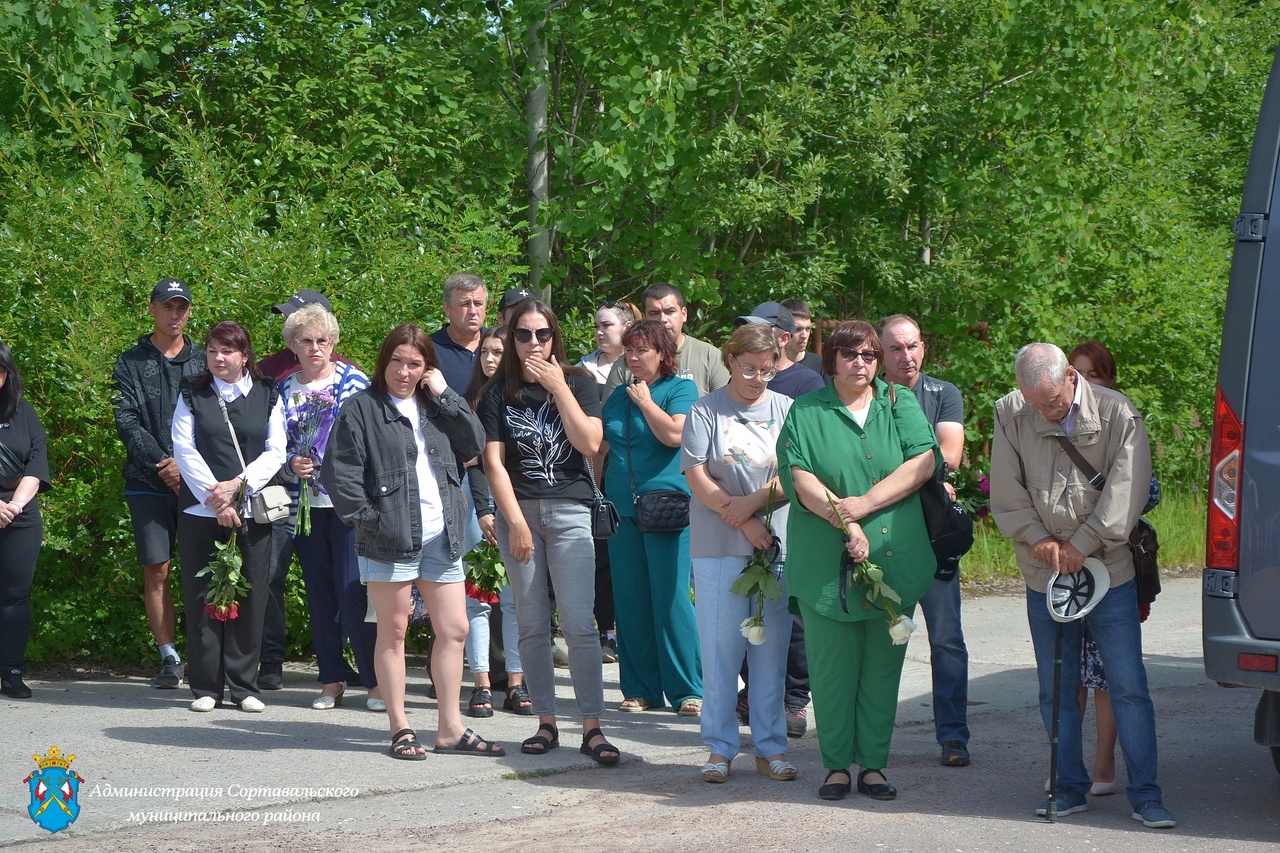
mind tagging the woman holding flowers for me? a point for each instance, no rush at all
(326, 547)
(737, 526)
(851, 457)
(392, 470)
(228, 442)
(541, 420)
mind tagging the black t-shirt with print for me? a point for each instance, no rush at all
(539, 458)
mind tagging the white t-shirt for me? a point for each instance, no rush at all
(428, 486)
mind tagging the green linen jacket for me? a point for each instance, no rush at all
(821, 437)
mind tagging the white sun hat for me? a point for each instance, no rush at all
(1071, 597)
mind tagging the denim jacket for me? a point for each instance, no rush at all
(369, 471)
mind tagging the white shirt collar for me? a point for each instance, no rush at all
(231, 390)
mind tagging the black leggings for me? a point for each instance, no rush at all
(19, 548)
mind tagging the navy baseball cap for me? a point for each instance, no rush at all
(302, 297)
(771, 314)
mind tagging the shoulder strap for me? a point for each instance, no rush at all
(1095, 479)
(630, 474)
(234, 441)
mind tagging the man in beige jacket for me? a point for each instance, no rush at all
(1043, 502)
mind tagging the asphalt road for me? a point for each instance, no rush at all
(160, 778)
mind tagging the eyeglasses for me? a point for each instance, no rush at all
(748, 374)
(869, 356)
(315, 343)
(526, 335)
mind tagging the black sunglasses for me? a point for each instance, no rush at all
(526, 335)
(850, 354)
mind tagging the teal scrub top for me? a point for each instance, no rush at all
(657, 467)
(821, 437)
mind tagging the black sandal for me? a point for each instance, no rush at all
(599, 752)
(540, 744)
(481, 704)
(518, 701)
(404, 742)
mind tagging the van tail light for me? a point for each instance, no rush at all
(1223, 550)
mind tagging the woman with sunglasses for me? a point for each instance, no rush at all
(854, 665)
(542, 420)
(729, 456)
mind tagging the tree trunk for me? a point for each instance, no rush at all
(535, 102)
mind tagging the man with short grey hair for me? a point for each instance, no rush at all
(466, 301)
(1058, 516)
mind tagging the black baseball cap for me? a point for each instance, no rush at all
(170, 288)
(771, 314)
(513, 296)
(302, 297)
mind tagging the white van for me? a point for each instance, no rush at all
(1242, 567)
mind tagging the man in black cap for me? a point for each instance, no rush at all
(146, 378)
(792, 380)
(511, 299)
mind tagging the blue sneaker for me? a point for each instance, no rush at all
(1153, 814)
(1068, 803)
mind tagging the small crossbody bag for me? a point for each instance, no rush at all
(659, 511)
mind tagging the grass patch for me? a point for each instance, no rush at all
(1179, 521)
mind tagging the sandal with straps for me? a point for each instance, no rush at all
(518, 701)
(481, 704)
(540, 744)
(600, 753)
(779, 769)
(403, 744)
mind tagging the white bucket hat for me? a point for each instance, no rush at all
(1071, 597)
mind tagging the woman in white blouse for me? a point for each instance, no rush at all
(219, 475)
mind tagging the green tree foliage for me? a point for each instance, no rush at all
(1004, 170)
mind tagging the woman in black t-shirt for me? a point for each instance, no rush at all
(24, 472)
(541, 418)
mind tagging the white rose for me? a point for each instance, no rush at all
(753, 632)
(901, 630)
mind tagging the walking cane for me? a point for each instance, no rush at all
(1051, 810)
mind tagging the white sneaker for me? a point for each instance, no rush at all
(204, 703)
(252, 704)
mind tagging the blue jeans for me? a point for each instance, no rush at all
(720, 613)
(1114, 623)
(949, 660)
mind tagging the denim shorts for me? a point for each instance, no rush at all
(434, 566)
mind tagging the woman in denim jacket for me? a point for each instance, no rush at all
(392, 468)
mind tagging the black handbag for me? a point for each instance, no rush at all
(950, 529)
(660, 511)
(604, 515)
(12, 468)
(1143, 544)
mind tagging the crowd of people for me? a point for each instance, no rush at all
(764, 497)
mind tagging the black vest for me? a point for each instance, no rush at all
(249, 415)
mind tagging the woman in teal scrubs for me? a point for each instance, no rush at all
(658, 655)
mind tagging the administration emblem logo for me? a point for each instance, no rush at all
(54, 790)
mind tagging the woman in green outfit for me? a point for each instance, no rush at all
(868, 448)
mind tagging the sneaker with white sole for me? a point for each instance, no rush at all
(1153, 814)
(1068, 803)
(252, 704)
(204, 703)
(170, 677)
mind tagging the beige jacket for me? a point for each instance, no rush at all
(1037, 491)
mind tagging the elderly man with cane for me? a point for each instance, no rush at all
(1070, 469)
